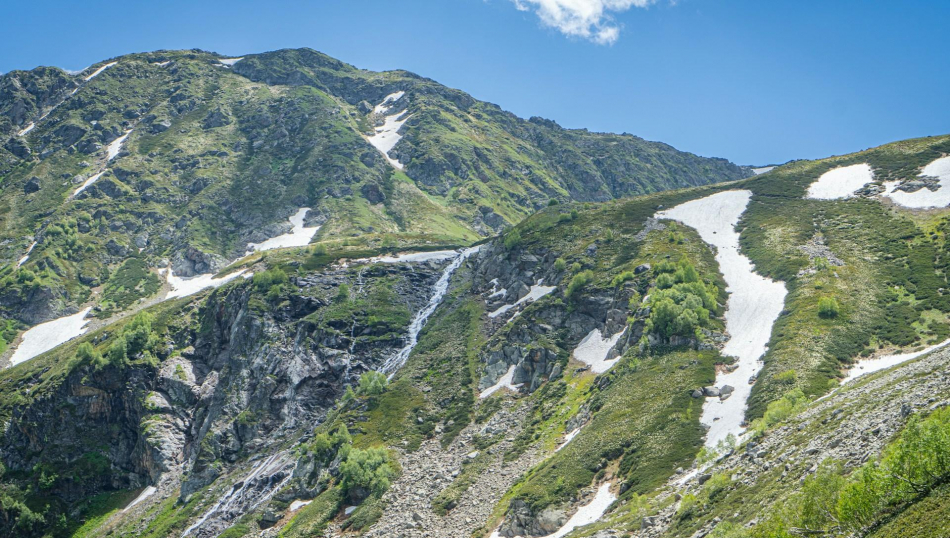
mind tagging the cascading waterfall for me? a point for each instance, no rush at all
(245, 495)
(439, 289)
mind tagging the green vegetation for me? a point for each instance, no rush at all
(682, 303)
(828, 307)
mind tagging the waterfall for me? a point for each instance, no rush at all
(438, 293)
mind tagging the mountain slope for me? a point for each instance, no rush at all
(184, 158)
(578, 358)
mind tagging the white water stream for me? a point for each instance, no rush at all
(395, 362)
(754, 304)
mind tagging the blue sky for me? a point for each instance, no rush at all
(755, 81)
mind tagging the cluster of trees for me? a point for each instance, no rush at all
(681, 302)
(137, 340)
(271, 282)
(832, 504)
(362, 472)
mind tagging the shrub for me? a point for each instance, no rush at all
(618, 280)
(560, 265)
(342, 294)
(372, 383)
(553, 201)
(368, 469)
(319, 249)
(578, 282)
(263, 281)
(828, 308)
(512, 239)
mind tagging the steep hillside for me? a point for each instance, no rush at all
(184, 159)
(757, 358)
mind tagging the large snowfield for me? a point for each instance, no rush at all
(754, 304)
(45, 336)
(299, 236)
(841, 182)
(924, 198)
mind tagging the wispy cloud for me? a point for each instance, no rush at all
(587, 19)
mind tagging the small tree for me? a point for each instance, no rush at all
(372, 383)
(342, 294)
(828, 308)
(512, 239)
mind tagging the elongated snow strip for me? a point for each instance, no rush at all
(754, 304)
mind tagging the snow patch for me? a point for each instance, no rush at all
(230, 61)
(297, 505)
(387, 135)
(594, 349)
(536, 292)
(417, 257)
(841, 182)
(45, 336)
(114, 147)
(886, 361)
(146, 493)
(100, 70)
(588, 513)
(503, 383)
(568, 438)
(26, 256)
(92, 179)
(754, 304)
(297, 237)
(162, 64)
(762, 170)
(396, 361)
(185, 286)
(384, 107)
(349, 510)
(924, 198)
(27, 129)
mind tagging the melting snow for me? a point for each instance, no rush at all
(349, 510)
(754, 304)
(384, 107)
(45, 336)
(92, 179)
(297, 505)
(594, 348)
(925, 197)
(26, 256)
(97, 71)
(840, 182)
(146, 493)
(417, 257)
(438, 293)
(568, 438)
(297, 237)
(185, 286)
(114, 147)
(162, 64)
(886, 361)
(762, 170)
(589, 513)
(27, 129)
(387, 135)
(230, 61)
(536, 292)
(503, 383)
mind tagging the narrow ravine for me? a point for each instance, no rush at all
(754, 304)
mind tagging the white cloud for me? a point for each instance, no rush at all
(587, 19)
